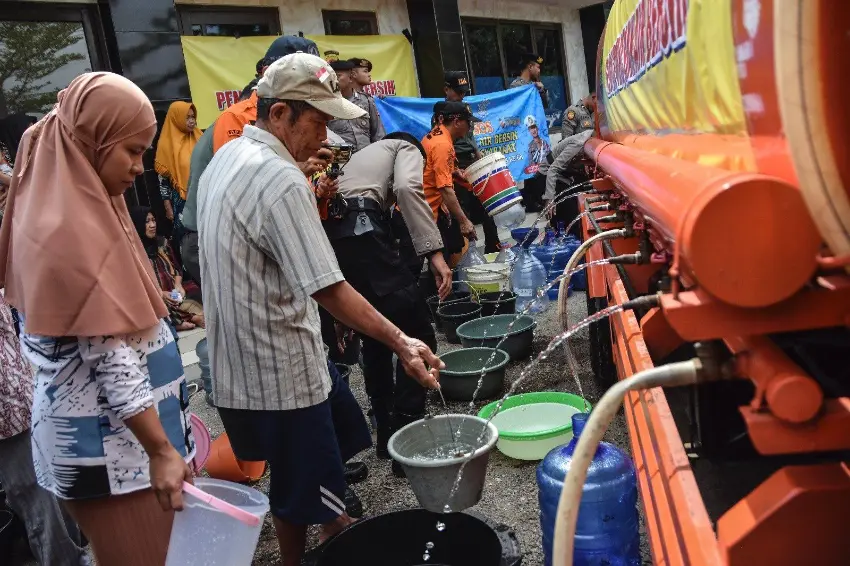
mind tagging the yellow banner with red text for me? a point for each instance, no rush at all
(220, 67)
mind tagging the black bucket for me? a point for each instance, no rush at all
(453, 315)
(398, 539)
(497, 302)
(434, 303)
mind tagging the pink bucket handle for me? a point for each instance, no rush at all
(239, 514)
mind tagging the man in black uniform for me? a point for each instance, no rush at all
(382, 174)
(466, 151)
(533, 187)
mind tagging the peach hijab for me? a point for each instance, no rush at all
(70, 258)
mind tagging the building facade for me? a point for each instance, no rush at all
(45, 44)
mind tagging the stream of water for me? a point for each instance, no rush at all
(527, 370)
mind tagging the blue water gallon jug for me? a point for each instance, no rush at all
(607, 529)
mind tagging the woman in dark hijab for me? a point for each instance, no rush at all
(12, 129)
(184, 309)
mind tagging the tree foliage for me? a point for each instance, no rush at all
(29, 52)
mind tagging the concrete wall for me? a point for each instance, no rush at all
(392, 16)
(306, 15)
(523, 10)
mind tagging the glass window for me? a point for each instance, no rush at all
(516, 41)
(37, 60)
(228, 21)
(486, 65)
(548, 42)
(495, 49)
(347, 22)
(232, 30)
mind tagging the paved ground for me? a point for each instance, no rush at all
(510, 495)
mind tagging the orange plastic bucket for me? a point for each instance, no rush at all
(224, 465)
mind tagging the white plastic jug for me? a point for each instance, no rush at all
(219, 525)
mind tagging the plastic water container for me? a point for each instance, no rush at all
(607, 528)
(471, 258)
(219, 525)
(527, 279)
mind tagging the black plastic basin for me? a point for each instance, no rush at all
(398, 539)
(497, 302)
(453, 315)
(434, 303)
(488, 332)
(463, 370)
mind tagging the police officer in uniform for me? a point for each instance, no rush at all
(530, 74)
(359, 132)
(579, 117)
(563, 170)
(383, 174)
(466, 150)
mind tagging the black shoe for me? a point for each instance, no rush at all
(398, 471)
(353, 505)
(355, 472)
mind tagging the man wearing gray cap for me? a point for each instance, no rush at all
(265, 263)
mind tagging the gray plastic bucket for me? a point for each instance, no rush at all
(432, 480)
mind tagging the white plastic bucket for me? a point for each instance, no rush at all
(487, 278)
(219, 525)
(493, 183)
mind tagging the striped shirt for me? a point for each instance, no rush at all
(263, 253)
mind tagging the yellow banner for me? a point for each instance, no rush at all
(220, 67)
(668, 66)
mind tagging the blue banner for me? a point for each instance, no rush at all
(512, 122)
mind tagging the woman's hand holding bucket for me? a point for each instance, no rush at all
(168, 471)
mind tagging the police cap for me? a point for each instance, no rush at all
(457, 81)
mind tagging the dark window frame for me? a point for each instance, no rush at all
(187, 16)
(533, 27)
(86, 14)
(355, 15)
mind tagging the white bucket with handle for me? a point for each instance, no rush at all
(493, 183)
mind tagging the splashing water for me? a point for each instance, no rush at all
(448, 421)
(526, 371)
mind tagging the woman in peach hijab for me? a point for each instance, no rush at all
(173, 153)
(110, 429)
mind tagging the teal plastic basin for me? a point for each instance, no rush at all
(488, 331)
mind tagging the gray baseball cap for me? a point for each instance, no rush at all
(301, 76)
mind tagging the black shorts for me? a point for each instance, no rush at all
(306, 449)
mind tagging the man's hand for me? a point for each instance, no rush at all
(442, 274)
(316, 163)
(327, 187)
(540, 86)
(169, 212)
(467, 228)
(344, 336)
(550, 211)
(416, 357)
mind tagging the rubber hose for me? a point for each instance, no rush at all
(574, 259)
(681, 373)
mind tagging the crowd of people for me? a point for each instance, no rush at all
(268, 248)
